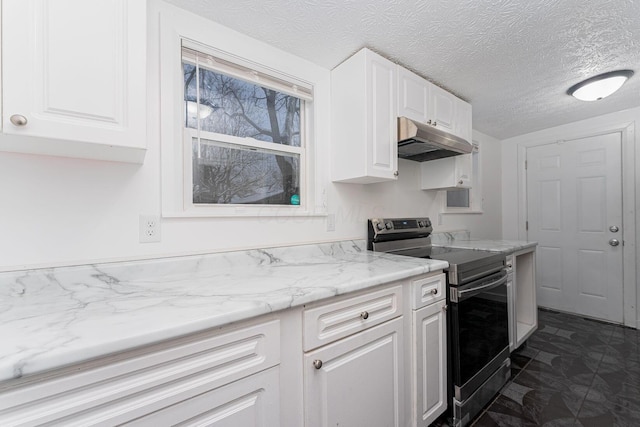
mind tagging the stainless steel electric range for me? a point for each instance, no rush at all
(477, 323)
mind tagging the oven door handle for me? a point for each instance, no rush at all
(457, 296)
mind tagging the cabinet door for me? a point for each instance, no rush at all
(357, 381)
(364, 123)
(511, 313)
(430, 363)
(442, 108)
(463, 126)
(413, 96)
(75, 71)
(250, 402)
(383, 128)
(447, 173)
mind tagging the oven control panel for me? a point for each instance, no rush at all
(399, 225)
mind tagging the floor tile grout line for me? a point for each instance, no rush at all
(595, 374)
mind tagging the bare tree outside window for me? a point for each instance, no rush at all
(226, 173)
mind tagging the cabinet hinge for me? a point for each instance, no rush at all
(526, 225)
(526, 165)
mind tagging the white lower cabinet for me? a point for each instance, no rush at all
(357, 381)
(135, 384)
(249, 402)
(353, 360)
(427, 378)
(430, 379)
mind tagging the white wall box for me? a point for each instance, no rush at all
(364, 119)
(74, 84)
(447, 173)
(130, 385)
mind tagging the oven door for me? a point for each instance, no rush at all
(479, 331)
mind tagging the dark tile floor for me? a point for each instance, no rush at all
(572, 372)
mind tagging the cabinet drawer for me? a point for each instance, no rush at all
(329, 322)
(132, 384)
(427, 290)
(250, 402)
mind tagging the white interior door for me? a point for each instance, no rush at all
(574, 201)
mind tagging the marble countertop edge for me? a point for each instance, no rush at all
(49, 317)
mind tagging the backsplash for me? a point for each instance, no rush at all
(449, 236)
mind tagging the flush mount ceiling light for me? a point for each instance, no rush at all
(599, 86)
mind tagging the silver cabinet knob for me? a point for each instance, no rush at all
(614, 242)
(435, 123)
(613, 229)
(364, 315)
(429, 121)
(445, 307)
(434, 291)
(460, 182)
(317, 363)
(18, 120)
(396, 173)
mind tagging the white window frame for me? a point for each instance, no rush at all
(177, 27)
(475, 192)
(190, 134)
(245, 71)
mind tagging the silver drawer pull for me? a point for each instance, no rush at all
(18, 120)
(364, 315)
(434, 291)
(317, 363)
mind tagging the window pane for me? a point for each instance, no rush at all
(226, 173)
(458, 198)
(234, 107)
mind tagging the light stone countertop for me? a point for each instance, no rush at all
(504, 246)
(50, 318)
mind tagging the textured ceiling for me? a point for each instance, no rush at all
(512, 59)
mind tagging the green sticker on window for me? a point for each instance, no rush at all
(295, 199)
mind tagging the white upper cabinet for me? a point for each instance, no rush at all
(364, 132)
(413, 96)
(442, 106)
(74, 78)
(463, 127)
(447, 173)
(422, 101)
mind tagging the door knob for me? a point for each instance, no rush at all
(614, 242)
(613, 229)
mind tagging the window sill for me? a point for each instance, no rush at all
(248, 212)
(470, 211)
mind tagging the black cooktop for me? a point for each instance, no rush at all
(453, 256)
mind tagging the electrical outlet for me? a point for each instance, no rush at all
(149, 228)
(331, 222)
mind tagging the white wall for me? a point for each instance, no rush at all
(62, 211)
(514, 211)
